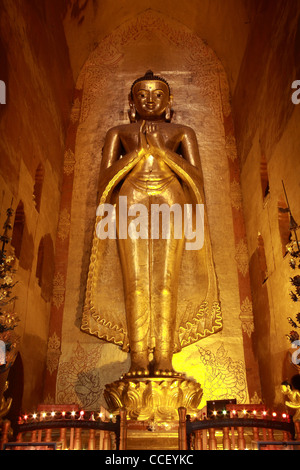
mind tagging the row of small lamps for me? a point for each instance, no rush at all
(41, 416)
(253, 412)
(80, 415)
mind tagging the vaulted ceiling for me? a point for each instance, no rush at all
(224, 25)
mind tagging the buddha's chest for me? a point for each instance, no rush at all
(169, 137)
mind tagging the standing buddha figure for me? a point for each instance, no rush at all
(152, 162)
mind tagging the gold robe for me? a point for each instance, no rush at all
(198, 309)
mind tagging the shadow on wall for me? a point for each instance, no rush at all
(15, 390)
(90, 384)
(261, 340)
(45, 266)
(22, 240)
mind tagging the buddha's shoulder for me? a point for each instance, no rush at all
(133, 128)
(176, 128)
(182, 128)
(130, 127)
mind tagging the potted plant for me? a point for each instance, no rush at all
(8, 318)
(293, 335)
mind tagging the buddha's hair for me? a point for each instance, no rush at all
(149, 76)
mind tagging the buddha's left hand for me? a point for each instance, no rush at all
(153, 135)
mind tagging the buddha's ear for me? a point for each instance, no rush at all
(169, 111)
(132, 110)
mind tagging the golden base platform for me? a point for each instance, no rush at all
(156, 398)
(152, 436)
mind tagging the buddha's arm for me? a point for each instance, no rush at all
(188, 166)
(294, 397)
(113, 167)
(111, 150)
(189, 173)
(190, 149)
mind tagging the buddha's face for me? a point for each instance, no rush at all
(151, 99)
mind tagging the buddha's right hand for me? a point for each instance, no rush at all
(142, 141)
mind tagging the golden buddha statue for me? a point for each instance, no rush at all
(292, 392)
(151, 163)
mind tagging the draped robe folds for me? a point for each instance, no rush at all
(198, 310)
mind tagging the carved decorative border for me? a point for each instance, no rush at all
(241, 250)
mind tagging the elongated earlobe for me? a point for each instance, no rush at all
(132, 113)
(168, 114)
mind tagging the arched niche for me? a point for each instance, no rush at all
(45, 266)
(22, 240)
(38, 186)
(264, 176)
(18, 229)
(284, 224)
(262, 258)
(201, 100)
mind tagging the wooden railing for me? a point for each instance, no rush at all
(230, 433)
(69, 433)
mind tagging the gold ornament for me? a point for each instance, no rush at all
(154, 399)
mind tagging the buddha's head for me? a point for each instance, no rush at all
(150, 98)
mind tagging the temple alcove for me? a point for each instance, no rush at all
(201, 100)
(60, 103)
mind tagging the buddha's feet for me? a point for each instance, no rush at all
(160, 367)
(139, 365)
(137, 372)
(163, 366)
